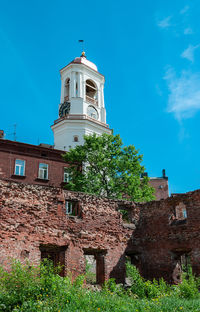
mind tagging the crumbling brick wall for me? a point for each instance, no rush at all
(33, 218)
(168, 231)
(158, 236)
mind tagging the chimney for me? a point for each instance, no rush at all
(163, 173)
(1, 134)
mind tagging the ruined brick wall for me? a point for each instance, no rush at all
(33, 217)
(168, 230)
(157, 235)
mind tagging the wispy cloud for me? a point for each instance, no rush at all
(165, 23)
(184, 94)
(189, 52)
(185, 9)
(188, 31)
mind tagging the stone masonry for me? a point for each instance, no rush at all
(34, 224)
(167, 236)
(158, 237)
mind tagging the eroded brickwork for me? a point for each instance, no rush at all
(33, 218)
(167, 233)
(159, 236)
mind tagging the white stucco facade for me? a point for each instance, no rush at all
(81, 109)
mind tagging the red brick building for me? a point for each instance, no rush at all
(22, 162)
(44, 165)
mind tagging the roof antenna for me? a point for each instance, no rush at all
(14, 133)
(82, 44)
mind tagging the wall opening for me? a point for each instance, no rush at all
(126, 213)
(134, 258)
(56, 254)
(181, 263)
(72, 208)
(91, 92)
(67, 89)
(90, 269)
(179, 216)
(95, 265)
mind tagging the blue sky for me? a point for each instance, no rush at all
(149, 52)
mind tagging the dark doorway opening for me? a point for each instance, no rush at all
(56, 254)
(96, 261)
(181, 263)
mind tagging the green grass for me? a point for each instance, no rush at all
(32, 289)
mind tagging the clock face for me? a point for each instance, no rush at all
(64, 109)
(92, 112)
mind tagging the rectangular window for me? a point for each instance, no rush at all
(184, 213)
(19, 167)
(69, 208)
(181, 212)
(43, 171)
(72, 208)
(66, 175)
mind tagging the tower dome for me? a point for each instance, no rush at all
(82, 60)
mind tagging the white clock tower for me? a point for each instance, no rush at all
(81, 109)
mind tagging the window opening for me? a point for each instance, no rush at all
(43, 171)
(134, 258)
(127, 215)
(90, 269)
(67, 88)
(68, 207)
(66, 174)
(181, 263)
(95, 266)
(181, 212)
(19, 167)
(76, 138)
(179, 216)
(56, 254)
(72, 208)
(91, 92)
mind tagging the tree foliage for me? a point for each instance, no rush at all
(108, 169)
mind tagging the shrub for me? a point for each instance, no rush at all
(145, 289)
(189, 286)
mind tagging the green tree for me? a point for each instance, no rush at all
(108, 169)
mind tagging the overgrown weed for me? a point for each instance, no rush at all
(30, 289)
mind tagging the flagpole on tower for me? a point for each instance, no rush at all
(82, 44)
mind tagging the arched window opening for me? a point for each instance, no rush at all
(67, 88)
(92, 112)
(75, 138)
(76, 89)
(91, 92)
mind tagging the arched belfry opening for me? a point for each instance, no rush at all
(67, 89)
(91, 92)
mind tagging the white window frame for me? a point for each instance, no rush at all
(184, 213)
(68, 207)
(41, 171)
(66, 175)
(21, 167)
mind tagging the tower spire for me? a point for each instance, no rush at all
(82, 44)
